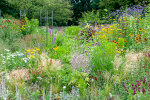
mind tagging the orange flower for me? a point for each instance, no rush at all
(125, 40)
(145, 39)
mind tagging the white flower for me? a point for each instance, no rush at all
(7, 50)
(64, 87)
(25, 59)
(3, 62)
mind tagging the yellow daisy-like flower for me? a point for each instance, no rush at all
(102, 25)
(32, 52)
(97, 28)
(141, 30)
(119, 52)
(38, 49)
(31, 56)
(55, 49)
(104, 36)
(28, 50)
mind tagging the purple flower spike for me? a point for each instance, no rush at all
(54, 39)
(50, 32)
(143, 90)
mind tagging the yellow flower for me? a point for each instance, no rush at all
(114, 19)
(104, 36)
(55, 48)
(119, 52)
(140, 30)
(28, 50)
(130, 34)
(38, 49)
(102, 25)
(31, 56)
(97, 28)
(59, 97)
(32, 52)
(110, 26)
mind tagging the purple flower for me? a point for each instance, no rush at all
(82, 48)
(93, 66)
(124, 85)
(139, 84)
(90, 39)
(50, 32)
(82, 70)
(75, 38)
(134, 91)
(54, 39)
(132, 84)
(144, 80)
(143, 90)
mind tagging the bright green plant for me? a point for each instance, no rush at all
(102, 56)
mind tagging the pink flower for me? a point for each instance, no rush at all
(75, 38)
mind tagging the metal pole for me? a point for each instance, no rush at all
(52, 19)
(40, 19)
(20, 14)
(0, 12)
(24, 13)
(47, 28)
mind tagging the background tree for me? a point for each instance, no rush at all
(62, 9)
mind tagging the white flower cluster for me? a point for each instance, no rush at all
(12, 58)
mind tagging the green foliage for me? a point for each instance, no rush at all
(29, 26)
(94, 17)
(103, 56)
(73, 30)
(62, 9)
